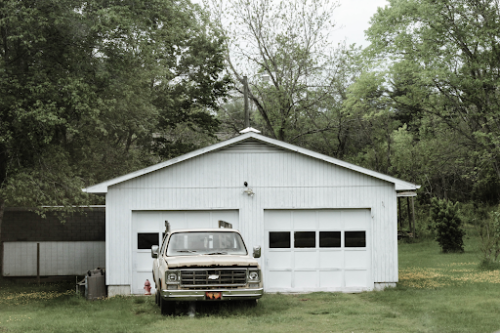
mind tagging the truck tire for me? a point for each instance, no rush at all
(167, 308)
(157, 298)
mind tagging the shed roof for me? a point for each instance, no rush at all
(400, 185)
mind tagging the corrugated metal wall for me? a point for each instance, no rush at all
(280, 179)
(56, 258)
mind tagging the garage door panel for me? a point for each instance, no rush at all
(199, 220)
(306, 280)
(331, 279)
(279, 280)
(304, 220)
(356, 259)
(278, 220)
(279, 260)
(329, 220)
(356, 278)
(331, 260)
(177, 220)
(147, 221)
(144, 262)
(356, 219)
(306, 260)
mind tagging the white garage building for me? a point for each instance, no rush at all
(323, 224)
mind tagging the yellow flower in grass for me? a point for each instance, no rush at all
(418, 274)
(453, 264)
(420, 278)
(480, 277)
(461, 270)
(40, 295)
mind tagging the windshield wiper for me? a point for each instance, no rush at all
(215, 253)
(186, 251)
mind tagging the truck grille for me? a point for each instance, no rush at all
(213, 277)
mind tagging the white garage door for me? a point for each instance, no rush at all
(149, 228)
(317, 250)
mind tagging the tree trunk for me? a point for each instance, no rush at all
(409, 214)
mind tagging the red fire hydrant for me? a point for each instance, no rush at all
(147, 287)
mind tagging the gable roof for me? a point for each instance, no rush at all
(400, 185)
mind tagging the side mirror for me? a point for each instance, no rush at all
(256, 252)
(154, 251)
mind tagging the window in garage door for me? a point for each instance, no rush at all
(146, 240)
(329, 239)
(279, 240)
(304, 239)
(355, 239)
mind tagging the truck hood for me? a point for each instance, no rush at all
(211, 261)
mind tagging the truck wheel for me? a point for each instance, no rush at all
(167, 308)
(157, 298)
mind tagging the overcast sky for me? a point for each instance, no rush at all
(352, 18)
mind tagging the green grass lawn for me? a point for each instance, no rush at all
(436, 293)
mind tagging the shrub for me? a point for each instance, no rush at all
(490, 238)
(448, 225)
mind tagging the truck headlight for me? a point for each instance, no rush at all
(253, 276)
(171, 277)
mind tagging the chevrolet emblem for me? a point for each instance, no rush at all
(213, 277)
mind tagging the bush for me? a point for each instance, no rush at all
(490, 238)
(448, 225)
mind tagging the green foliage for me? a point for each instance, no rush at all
(490, 238)
(89, 89)
(448, 225)
(436, 58)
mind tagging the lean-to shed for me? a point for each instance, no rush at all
(323, 224)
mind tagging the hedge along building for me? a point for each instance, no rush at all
(323, 224)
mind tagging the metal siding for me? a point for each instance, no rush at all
(280, 180)
(56, 258)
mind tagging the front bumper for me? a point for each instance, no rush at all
(200, 294)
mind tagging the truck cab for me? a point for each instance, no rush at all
(205, 265)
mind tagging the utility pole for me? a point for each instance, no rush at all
(245, 97)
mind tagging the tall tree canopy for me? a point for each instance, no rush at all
(437, 71)
(92, 89)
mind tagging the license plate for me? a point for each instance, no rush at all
(215, 295)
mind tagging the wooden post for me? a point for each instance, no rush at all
(245, 96)
(38, 263)
(413, 217)
(409, 214)
(400, 221)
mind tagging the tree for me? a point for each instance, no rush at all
(490, 238)
(448, 225)
(451, 49)
(293, 70)
(397, 136)
(84, 85)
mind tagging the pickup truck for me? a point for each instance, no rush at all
(204, 265)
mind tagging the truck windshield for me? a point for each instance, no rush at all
(205, 243)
